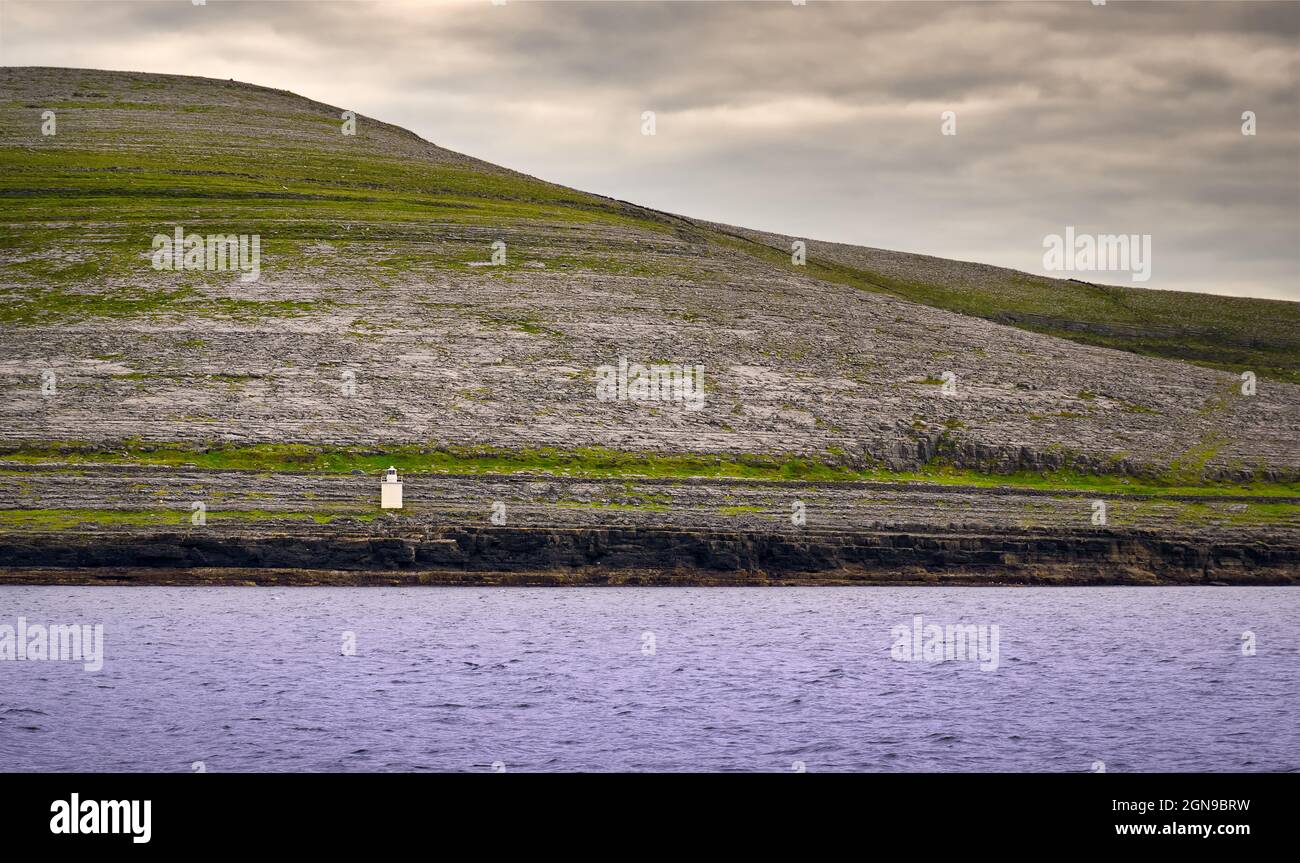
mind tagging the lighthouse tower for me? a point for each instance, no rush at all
(390, 490)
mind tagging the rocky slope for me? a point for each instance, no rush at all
(379, 327)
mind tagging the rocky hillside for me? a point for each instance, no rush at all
(415, 306)
(374, 270)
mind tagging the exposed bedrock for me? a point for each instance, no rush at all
(376, 321)
(1099, 555)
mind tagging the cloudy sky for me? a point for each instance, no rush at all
(819, 121)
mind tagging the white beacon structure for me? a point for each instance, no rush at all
(390, 490)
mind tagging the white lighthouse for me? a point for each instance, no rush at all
(390, 491)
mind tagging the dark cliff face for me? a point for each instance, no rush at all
(461, 555)
(327, 529)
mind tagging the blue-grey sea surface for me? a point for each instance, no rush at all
(655, 679)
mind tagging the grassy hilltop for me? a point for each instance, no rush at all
(373, 253)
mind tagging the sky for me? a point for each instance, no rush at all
(822, 121)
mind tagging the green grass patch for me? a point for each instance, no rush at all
(1225, 333)
(603, 463)
(67, 519)
(42, 306)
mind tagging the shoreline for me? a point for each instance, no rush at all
(114, 526)
(640, 554)
(596, 577)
